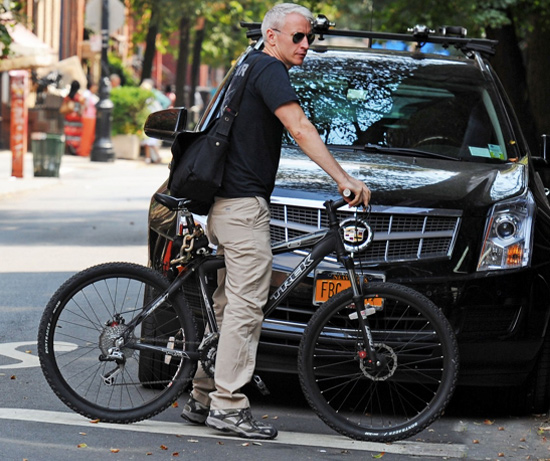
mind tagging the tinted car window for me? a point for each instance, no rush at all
(430, 104)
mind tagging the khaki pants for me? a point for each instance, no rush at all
(240, 229)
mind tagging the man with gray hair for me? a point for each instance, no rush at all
(238, 221)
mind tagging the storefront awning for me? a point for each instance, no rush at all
(28, 51)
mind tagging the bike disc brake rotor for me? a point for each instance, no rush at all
(384, 371)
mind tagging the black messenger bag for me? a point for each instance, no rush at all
(198, 160)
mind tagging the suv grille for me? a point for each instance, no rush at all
(400, 234)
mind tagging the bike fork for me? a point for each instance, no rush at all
(368, 352)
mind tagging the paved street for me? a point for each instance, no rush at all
(97, 212)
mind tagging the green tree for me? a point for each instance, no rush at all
(155, 19)
(10, 12)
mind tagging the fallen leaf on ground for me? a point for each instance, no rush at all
(379, 455)
(475, 441)
(163, 447)
(488, 422)
(94, 421)
(81, 445)
(115, 450)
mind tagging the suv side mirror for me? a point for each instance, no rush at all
(166, 124)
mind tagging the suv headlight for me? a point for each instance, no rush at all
(508, 235)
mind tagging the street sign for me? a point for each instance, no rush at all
(93, 15)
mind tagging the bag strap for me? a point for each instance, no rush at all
(231, 110)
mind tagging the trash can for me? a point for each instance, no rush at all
(47, 150)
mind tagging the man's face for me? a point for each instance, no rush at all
(290, 43)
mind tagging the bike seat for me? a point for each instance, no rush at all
(172, 203)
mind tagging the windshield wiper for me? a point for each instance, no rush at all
(406, 151)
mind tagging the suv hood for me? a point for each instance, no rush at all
(397, 180)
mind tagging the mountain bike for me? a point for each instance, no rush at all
(378, 361)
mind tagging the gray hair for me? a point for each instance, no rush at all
(275, 17)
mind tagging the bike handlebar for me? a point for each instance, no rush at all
(335, 204)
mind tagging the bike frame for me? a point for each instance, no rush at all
(322, 244)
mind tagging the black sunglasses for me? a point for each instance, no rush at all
(297, 37)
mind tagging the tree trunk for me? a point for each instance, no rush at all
(508, 64)
(197, 47)
(538, 69)
(150, 47)
(181, 68)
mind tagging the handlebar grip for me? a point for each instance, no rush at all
(348, 194)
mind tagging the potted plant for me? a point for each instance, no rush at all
(130, 110)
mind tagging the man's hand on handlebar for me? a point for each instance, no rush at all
(356, 193)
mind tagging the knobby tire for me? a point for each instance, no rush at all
(395, 401)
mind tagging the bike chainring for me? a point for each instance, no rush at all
(207, 353)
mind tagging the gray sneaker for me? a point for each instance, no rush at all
(240, 422)
(194, 411)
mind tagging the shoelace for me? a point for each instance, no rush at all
(246, 416)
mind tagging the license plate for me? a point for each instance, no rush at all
(328, 283)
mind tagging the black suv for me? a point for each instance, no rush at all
(459, 205)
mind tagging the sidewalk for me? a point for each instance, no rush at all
(71, 167)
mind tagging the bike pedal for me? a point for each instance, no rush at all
(260, 385)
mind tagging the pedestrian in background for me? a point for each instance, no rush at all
(161, 98)
(71, 109)
(115, 80)
(170, 94)
(89, 113)
(151, 145)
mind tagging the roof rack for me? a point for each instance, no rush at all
(450, 36)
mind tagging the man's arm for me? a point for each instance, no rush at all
(305, 134)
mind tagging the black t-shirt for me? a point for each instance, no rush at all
(255, 144)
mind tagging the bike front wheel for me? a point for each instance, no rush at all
(99, 366)
(410, 385)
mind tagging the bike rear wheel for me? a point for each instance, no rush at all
(412, 385)
(83, 323)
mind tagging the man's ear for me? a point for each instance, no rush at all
(270, 36)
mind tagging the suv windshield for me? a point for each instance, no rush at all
(431, 104)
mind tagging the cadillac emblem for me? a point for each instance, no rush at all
(357, 235)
